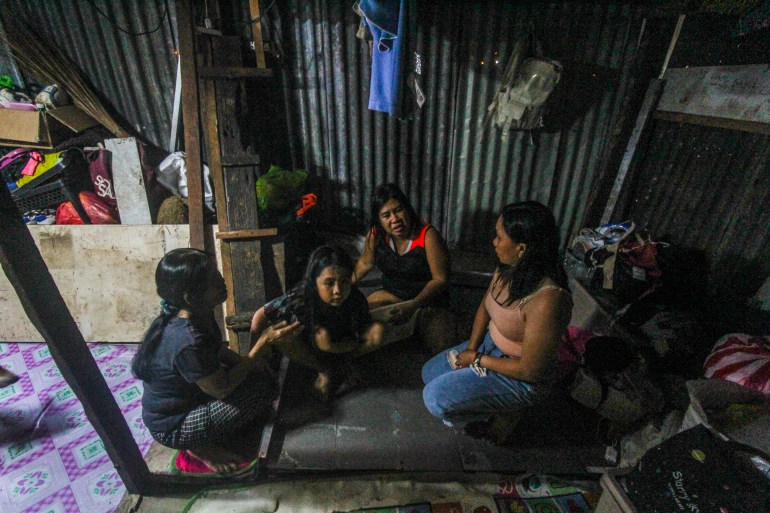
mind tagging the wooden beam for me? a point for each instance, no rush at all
(731, 124)
(233, 73)
(247, 234)
(43, 304)
(211, 135)
(256, 30)
(191, 117)
(240, 187)
(651, 98)
(239, 322)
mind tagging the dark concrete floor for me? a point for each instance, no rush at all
(383, 425)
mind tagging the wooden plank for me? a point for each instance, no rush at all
(43, 304)
(731, 124)
(648, 105)
(191, 116)
(211, 135)
(240, 187)
(208, 31)
(240, 160)
(233, 73)
(247, 234)
(730, 92)
(267, 431)
(128, 181)
(256, 30)
(240, 321)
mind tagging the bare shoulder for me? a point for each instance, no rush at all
(434, 238)
(553, 301)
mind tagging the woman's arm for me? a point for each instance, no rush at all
(366, 260)
(479, 330)
(437, 255)
(545, 319)
(224, 381)
(480, 325)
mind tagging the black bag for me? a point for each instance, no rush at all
(614, 382)
(695, 471)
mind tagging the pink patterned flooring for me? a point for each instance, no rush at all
(56, 463)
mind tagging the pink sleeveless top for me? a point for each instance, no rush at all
(506, 325)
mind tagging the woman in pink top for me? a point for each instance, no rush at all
(509, 361)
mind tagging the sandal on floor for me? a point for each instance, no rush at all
(184, 463)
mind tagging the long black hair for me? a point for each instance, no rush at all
(533, 224)
(320, 259)
(179, 272)
(381, 195)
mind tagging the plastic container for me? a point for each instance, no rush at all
(61, 183)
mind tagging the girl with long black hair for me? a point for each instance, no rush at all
(197, 392)
(333, 314)
(509, 361)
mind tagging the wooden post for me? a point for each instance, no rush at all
(256, 31)
(191, 117)
(645, 113)
(43, 304)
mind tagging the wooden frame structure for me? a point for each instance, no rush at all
(42, 302)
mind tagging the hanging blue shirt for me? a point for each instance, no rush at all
(385, 20)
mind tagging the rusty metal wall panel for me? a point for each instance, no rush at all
(134, 74)
(453, 180)
(709, 189)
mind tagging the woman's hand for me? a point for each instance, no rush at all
(402, 312)
(275, 334)
(465, 359)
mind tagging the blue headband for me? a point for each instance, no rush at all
(168, 309)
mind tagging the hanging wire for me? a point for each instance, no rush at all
(121, 29)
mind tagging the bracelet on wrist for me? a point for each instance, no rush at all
(477, 360)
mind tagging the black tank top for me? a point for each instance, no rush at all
(405, 275)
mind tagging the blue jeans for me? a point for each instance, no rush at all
(460, 395)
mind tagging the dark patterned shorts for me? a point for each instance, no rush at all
(216, 420)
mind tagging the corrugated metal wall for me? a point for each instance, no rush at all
(709, 189)
(336, 136)
(134, 74)
(453, 180)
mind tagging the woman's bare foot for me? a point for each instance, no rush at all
(322, 385)
(218, 459)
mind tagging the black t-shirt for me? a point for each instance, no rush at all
(347, 321)
(186, 354)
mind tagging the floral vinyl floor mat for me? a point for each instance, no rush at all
(51, 459)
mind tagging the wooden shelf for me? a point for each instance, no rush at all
(247, 234)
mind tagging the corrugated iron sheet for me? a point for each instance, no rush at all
(453, 180)
(709, 189)
(134, 74)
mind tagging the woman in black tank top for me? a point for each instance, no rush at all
(415, 266)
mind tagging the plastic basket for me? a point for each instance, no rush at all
(61, 183)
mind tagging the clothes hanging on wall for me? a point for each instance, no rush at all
(394, 86)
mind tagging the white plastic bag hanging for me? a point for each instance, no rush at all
(172, 174)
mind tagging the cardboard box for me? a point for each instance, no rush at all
(39, 129)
